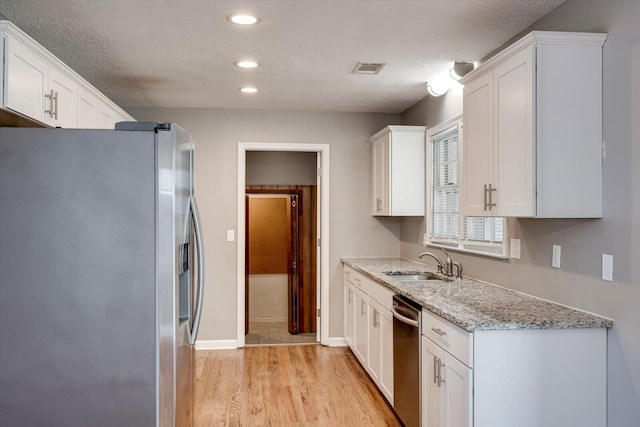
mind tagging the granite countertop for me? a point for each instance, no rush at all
(475, 305)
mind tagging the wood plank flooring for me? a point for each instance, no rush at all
(308, 385)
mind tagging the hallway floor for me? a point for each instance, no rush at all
(261, 333)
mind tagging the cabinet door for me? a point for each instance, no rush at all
(26, 81)
(66, 92)
(380, 198)
(513, 100)
(87, 109)
(477, 149)
(349, 313)
(360, 333)
(430, 390)
(386, 354)
(455, 392)
(374, 342)
(105, 117)
(446, 388)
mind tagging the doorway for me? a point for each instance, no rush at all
(280, 264)
(322, 230)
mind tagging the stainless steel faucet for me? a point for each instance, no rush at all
(445, 267)
(448, 264)
(441, 267)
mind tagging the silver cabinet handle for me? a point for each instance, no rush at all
(362, 308)
(440, 365)
(491, 191)
(350, 296)
(435, 370)
(378, 204)
(376, 318)
(193, 207)
(488, 197)
(439, 331)
(53, 104)
(485, 204)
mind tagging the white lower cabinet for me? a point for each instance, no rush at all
(349, 313)
(386, 354)
(447, 388)
(380, 348)
(368, 328)
(508, 378)
(360, 329)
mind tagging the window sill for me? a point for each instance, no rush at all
(467, 251)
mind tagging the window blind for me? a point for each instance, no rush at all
(444, 187)
(447, 225)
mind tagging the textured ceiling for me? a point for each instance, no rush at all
(152, 53)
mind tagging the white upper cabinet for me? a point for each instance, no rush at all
(398, 176)
(533, 129)
(37, 85)
(62, 99)
(26, 80)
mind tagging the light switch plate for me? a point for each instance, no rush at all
(556, 257)
(515, 248)
(607, 267)
(231, 235)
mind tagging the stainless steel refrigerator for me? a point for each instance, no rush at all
(101, 276)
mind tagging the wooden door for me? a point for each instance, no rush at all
(246, 264)
(293, 265)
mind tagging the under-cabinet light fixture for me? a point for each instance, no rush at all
(248, 90)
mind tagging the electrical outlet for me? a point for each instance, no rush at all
(425, 238)
(607, 267)
(231, 235)
(515, 248)
(556, 256)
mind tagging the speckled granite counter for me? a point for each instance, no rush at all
(474, 305)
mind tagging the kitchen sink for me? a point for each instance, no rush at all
(416, 275)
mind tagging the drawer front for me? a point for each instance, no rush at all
(379, 293)
(371, 288)
(450, 337)
(348, 273)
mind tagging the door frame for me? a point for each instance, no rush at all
(322, 281)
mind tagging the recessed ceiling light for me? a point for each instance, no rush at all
(248, 90)
(246, 64)
(242, 19)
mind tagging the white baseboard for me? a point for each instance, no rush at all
(216, 344)
(337, 342)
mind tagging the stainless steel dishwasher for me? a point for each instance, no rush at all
(406, 360)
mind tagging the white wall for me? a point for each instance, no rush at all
(353, 232)
(281, 168)
(578, 282)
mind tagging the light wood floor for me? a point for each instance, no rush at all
(308, 385)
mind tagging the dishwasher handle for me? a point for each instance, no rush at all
(403, 319)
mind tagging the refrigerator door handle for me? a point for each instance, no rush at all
(193, 207)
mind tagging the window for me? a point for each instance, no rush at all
(446, 224)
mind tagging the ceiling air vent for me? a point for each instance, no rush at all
(368, 68)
